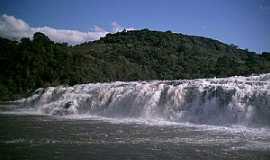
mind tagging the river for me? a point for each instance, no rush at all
(226, 118)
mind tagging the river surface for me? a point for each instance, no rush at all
(219, 118)
(24, 136)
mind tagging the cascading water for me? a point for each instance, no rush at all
(234, 100)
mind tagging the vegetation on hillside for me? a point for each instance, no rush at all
(123, 56)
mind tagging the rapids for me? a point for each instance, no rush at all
(218, 101)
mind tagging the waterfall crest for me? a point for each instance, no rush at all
(233, 100)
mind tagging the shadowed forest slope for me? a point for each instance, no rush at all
(123, 56)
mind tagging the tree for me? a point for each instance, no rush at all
(124, 56)
(40, 37)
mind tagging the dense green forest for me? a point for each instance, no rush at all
(123, 56)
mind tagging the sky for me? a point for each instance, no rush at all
(245, 23)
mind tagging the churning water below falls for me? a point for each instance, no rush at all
(226, 118)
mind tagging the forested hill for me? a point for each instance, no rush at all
(123, 56)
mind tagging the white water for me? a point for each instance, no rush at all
(224, 101)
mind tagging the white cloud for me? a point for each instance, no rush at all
(118, 28)
(13, 28)
(98, 29)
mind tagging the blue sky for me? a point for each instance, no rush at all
(245, 23)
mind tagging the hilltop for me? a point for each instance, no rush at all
(123, 56)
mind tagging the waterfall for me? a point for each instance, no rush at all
(218, 101)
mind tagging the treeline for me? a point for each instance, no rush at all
(123, 56)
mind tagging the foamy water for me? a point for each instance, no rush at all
(225, 101)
